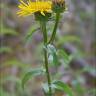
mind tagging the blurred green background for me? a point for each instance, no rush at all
(76, 35)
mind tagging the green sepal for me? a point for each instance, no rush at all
(40, 17)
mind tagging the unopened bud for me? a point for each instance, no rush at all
(58, 6)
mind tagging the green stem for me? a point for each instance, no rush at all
(43, 27)
(55, 28)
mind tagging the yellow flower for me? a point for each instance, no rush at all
(32, 7)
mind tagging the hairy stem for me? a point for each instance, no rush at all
(43, 27)
(55, 28)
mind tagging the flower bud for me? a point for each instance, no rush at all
(58, 6)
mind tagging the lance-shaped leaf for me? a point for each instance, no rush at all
(59, 85)
(46, 89)
(14, 62)
(66, 58)
(53, 54)
(30, 31)
(68, 38)
(5, 49)
(32, 73)
(7, 31)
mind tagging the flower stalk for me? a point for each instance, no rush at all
(43, 28)
(55, 28)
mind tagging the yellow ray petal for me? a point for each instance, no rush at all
(32, 7)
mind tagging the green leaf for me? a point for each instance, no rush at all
(52, 54)
(78, 88)
(32, 73)
(68, 39)
(66, 58)
(90, 69)
(5, 49)
(7, 31)
(92, 91)
(30, 31)
(46, 88)
(59, 85)
(14, 62)
(3, 92)
(12, 79)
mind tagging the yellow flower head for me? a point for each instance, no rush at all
(32, 7)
